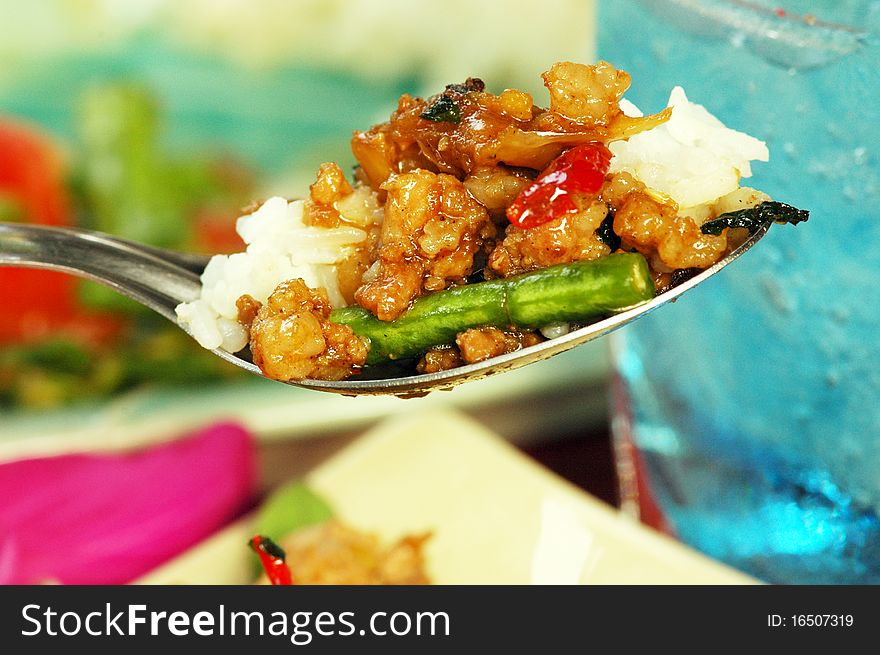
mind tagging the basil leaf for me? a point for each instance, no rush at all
(754, 217)
(443, 110)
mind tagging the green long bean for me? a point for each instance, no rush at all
(563, 293)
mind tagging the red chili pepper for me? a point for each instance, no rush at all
(580, 169)
(272, 558)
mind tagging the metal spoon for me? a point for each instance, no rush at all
(162, 279)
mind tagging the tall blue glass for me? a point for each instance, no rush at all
(749, 411)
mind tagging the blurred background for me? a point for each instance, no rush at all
(742, 417)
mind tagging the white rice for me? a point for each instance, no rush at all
(693, 157)
(555, 330)
(279, 248)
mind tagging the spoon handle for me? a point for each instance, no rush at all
(144, 274)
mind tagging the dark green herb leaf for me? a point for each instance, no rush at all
(607, 234)
(754, 217)
(444, 110)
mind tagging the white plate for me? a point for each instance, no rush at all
(497, 517)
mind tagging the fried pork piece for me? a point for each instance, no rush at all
(465, 127)
(292, 337)
(441, 358)
(247, 307)
(496, 187)
(649, 223)
(475, 345)
(432, 229)
(568, 238)
(478, 344)
(586, 94)
(332, 553)
(329, 187)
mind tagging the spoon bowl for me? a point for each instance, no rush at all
(162, 279)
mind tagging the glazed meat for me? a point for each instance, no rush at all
(441, 358)
(333, 202)
(432, 230)
(475, 345)
(495, 187)
(465, 127)
(569, 238)
(329, 187)
(588, 95)
(479, 344)
(292, 337)
(650, 224)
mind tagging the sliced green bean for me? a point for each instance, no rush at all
(564, 293)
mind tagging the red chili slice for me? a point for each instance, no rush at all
(581, 169)
(272, 558)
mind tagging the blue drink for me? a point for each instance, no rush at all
(753, 403)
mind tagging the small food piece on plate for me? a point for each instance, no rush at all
(476, 220)
(332, 553)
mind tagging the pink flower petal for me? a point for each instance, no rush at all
(106, 519)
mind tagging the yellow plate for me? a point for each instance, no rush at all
(497, 517)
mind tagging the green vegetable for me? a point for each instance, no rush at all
(756, 216)
(443, 110)
(289, 508)
(568, 292)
